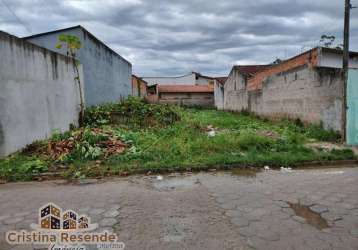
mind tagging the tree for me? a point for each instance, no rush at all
(327, 40)
(72, 45)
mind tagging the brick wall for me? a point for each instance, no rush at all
(311, 94)
(139, 87)
(309, 58)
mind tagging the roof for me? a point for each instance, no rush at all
(53, 31)
(250, 69)
(77, 27)
(139, 78)
(191, 73)
(185, 89)
(203, 76)
(168, 76)
(221, 79)
(309, 57)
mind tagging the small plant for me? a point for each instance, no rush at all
(249, 140)
(20, 167)
(318, 132)
(73, 44)
(99, 115)
(34, 166)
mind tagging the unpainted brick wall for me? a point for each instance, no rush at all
(310, 94)
(255, 101)
(309, 58)
(235, 93)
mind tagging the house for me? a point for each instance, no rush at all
(186, 95)
(234, 93)
(308, 87)
(190, 89)
(107, 75)
(193, 78)
(219, 92)
(139, 87)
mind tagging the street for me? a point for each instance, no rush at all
(298, 209)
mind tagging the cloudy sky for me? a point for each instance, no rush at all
(172, 37)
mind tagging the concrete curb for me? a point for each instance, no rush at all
(218, 167)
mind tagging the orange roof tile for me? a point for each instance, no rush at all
(308, 57)
(221, 79)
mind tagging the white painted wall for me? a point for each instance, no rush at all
(108, 76)
(179, 80)
(38, 93)
(334, 60)
(219, 95)
(189, 79)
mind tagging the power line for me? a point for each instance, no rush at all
(17, 18)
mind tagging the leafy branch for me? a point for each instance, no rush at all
(73, 44)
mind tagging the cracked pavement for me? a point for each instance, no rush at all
(216, 210)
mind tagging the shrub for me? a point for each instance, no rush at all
(19, 167)
(250, 140)
(134, 112)
(99, 115)
(318, 132)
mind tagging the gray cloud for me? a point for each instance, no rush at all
(163, 37)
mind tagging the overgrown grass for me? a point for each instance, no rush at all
(178, 140)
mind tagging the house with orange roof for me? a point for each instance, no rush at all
(186, 95)
(139, 86)
(308, 86)
(234, 91)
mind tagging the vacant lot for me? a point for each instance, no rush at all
(134, 137)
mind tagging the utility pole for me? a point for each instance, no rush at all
(347, 11)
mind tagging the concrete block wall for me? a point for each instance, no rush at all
(235, 93)
(255, 101)
(313, 95)
(236, 100)
(38, 93)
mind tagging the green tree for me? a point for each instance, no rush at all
(327, 40)
(72, 44)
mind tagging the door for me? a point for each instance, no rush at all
(352, 112)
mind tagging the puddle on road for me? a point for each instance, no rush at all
(312, 218)
(245, 172)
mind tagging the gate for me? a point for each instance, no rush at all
(352, 112)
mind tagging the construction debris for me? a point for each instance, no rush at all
(104, 140)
